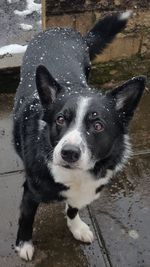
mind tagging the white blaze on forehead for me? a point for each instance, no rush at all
(81, 111)
(74, 135)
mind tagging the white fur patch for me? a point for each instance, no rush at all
(80, 230)
(25, 250)
(125, 15)
(82, 185)
(81, 111)
(120, 102)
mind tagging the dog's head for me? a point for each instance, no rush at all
(88, 127)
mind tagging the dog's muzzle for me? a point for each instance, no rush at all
(70, 153)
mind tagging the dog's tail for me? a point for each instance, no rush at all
(104, 32)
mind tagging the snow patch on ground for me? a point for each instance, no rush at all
(12, 1)
(12, 49)
(30, 8)
(134, 234)
(26, 27)
(39, 23)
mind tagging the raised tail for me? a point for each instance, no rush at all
(104, 32)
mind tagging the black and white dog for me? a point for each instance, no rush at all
(71, 138)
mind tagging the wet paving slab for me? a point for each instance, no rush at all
(122, 216)
(56, 243)
(9, 160)
(120, 219)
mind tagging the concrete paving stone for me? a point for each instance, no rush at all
(95, 253)
(10, 197)
(122, 215)
(9, 161)
(57, 245)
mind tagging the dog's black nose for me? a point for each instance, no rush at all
(70, 153)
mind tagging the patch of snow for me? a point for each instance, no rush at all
(39, 23)
(26, 27)
(12, 49)
(30, 8)
(12, 1)
(134, 234)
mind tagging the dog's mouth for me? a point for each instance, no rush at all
(67, 166)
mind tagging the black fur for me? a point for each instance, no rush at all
(72, 212)
(54, 73)
(103, 33)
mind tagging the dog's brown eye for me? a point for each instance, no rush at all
(98, 126)
(60, 120)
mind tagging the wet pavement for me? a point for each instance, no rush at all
(120, 219)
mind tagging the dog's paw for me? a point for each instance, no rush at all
(83, 233)
(25, 250)
(80, 230)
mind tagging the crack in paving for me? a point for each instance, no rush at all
(11, 172)
(100, 238)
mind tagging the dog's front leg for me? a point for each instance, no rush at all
(28, 209)
(78, 228)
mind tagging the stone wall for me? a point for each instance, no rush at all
(82, 14)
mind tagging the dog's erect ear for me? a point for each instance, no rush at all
(104, 32)
(47, 87)
(127, 96)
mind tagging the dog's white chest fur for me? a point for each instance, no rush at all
(82, 185)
